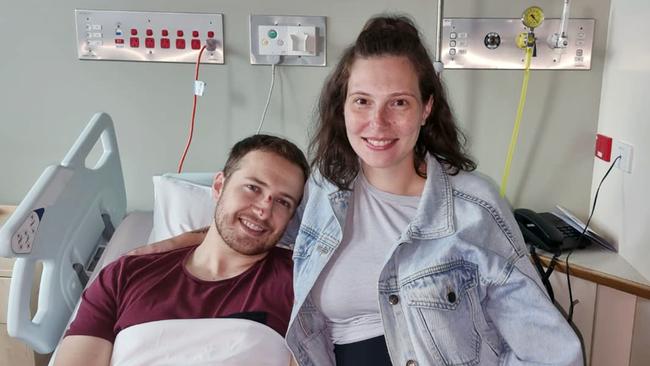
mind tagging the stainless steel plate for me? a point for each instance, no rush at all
(148, 36)
(486, 43)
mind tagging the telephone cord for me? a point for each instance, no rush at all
(582, 235)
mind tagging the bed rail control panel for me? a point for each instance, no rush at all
(148, 36)
(23, 239)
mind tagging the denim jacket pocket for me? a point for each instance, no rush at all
(442, 301)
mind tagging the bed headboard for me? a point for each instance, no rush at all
(66, 215)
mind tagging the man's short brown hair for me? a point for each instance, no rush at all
(266, 143)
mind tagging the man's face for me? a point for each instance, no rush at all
(255, 204)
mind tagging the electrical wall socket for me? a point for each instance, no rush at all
(296, 40)
(625, 151)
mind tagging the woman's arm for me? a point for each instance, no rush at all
(533, 329)
(187, 239)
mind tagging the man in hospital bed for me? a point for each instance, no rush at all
(152, 308)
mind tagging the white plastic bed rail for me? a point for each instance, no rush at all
(66, 215)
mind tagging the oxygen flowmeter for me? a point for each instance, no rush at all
(533, 17)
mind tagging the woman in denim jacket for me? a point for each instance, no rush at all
(402, 256)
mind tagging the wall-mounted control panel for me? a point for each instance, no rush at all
(296, 40)
(148, 36)
(485, 43)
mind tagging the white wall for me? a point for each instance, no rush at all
(622, 210)
(47, 96)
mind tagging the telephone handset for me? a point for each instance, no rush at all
(547, 231)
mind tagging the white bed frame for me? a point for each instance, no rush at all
(65, 222)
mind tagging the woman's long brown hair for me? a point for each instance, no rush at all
(385, 36)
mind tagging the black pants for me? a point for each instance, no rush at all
(371, 352)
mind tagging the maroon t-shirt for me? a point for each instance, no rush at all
(139, 289)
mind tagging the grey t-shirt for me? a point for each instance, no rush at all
(346, 291)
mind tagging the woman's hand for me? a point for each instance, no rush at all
(183, 240)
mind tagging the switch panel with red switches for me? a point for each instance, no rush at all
(148, 36)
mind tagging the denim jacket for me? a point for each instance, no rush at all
(456, 289)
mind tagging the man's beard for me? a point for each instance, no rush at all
(239, 242)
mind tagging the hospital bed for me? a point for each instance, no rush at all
(74, 221)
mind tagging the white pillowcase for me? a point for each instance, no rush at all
(182, 202)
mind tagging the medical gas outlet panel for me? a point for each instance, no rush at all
(148, 36)
(485, 43)
(288, 40)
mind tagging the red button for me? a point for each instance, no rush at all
(165, 32)
(196, 44)
(180, 44)
(210, 34)
(134, 32)
(119, 41)
(149, 43)
(179, 33)
(164, 43)
(195, 34)
(134, 42)
(149, 32)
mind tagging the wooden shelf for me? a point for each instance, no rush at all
(5, 212)
(603, 267)
(6, 264)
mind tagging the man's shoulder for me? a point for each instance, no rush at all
(281, 253)
(282, 257)
(137, 263)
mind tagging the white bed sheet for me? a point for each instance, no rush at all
(200, 342)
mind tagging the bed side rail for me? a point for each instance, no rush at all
(66, 215)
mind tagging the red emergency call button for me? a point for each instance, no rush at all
(603, 147)
(164, 43)
(149, 42)
(165, 32)
(210, 34)
(150, 32)
(119, 40)
(195, 34)
(180, 44)
(134, 32)
(134, 42)
(179, 33)
(196, 44)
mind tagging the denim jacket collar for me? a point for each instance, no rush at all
(434, 217)
(435, 214)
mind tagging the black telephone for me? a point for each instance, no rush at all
(547, 231)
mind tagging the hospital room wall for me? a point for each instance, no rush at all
(47, 96)
(622, 210)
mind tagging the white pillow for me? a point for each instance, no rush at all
(181, 203)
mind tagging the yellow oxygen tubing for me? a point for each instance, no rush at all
(515, 130)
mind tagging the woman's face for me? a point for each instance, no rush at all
(384, 111)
